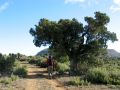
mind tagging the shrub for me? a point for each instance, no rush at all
(5, 80)
(62, 68)
(82, 68)
(8, 80)
(41, 62)
(38, 62)
(7, 63)
(63, 59)
(21, 72)
(115, 77)
(98, 75)
(104, 76)
(14, 77)
(17, 64)
(78, 81)
(32, 61)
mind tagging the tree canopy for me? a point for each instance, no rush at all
(72, 38)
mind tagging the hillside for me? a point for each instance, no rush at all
(43, 52)
(111, 52)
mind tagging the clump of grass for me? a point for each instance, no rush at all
(62, 68)
(77, 81)
(21, 71)
(5, 80)
(14, 77)
(9, 80)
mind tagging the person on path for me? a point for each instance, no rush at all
(50, 67)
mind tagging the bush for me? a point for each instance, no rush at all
(17, 64)
(98, 75)
(42, 63)
(32, 61)
(38, 62)
(21, 72)
(7, 63)
(83, 68)
(14, 77)
(8, 80)
(103, 76)
(115, 77)
(78, 81)
(63, 59)
(62, 68)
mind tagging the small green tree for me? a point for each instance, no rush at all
(7, 63)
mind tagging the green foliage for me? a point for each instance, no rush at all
(63, 59)
(7, 63)
(104, 75)
(71, 38)
(78, 81)
(21, 71)
(115, 75)
(38, 60)
(8, 80)
(98, 75)
(42, 63)
(16, 64)
(14, 77)
(32, 61)
(83, 68)
(62, 68)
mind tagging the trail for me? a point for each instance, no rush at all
(37, 80)
(31, 81)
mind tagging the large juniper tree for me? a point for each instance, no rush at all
(71, 38)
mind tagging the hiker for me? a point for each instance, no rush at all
(50, 66)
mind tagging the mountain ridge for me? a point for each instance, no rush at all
(111, 53)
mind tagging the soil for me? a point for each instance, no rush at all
(37, 79)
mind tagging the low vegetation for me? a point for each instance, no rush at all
(38, 61)
(8, 80)
(20, 71)
(11, 69)
(78, 81)
(7, 64)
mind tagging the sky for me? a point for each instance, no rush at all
(18, 16)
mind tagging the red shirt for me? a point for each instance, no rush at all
(49, 62)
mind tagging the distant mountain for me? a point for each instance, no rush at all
(111, 53)
(43, 52)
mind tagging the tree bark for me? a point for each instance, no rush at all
(73, 67)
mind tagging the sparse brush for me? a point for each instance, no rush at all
(6, 80)
(21, 72)
(14, 77)
(78, 82)
(62, 68)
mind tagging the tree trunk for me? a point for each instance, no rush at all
(73, 67)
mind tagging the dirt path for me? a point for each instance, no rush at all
(37, 80)
(31, 82)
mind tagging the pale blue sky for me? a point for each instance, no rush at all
(18, 16)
